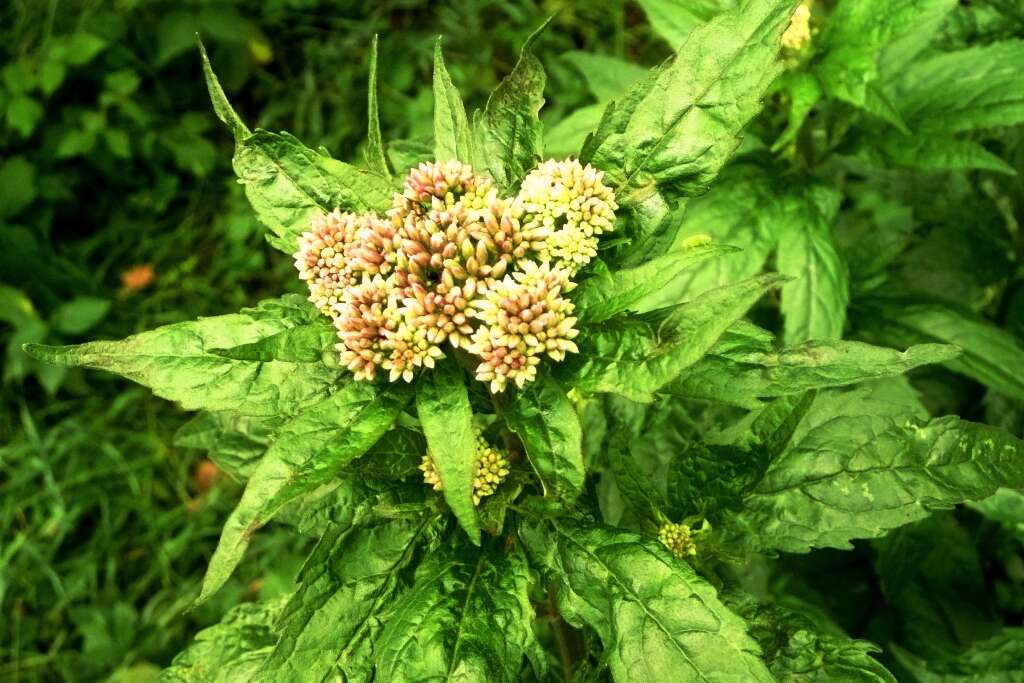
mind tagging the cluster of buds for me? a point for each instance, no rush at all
(492, 468)
(572, 205)
(453, 262)
(798, 33)
(678, 538)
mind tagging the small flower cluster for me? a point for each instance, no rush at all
(454, 262)
(492, 468)
(798, 33)
(678, 538)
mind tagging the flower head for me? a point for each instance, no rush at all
(678, 539)
(523, 316)
(572, 205)
(491, 469)
(441, 184)
(798, 33)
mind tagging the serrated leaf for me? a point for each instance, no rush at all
(467, 617)
(376, 160)
(862, 467)
(229, 651)
(545, 421)
(221, 107)
(305, 343)
(934, 152)
(996, 660)
(990, 355)
(684, 126)
(814, 302)
(442, 405)
(508, 133)
(657, 619)
(288, 184)
(453, 138)
(177, 363)
(674, 19)
(311, 449)
(637, 361)
(346, 584)
(607, 294)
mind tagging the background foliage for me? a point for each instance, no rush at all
(112, 161)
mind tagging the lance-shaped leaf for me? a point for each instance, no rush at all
(310, 451)
(673, 20)
(545, 421)
(376, 160)
(657, 619)
(467, 617)
(288, 183)
(235, 442)
(636, 361)
(745, 375)
(508, 132)
(453, 138)
(178, 362)
(996, 660)
(688, 122)
(860, 467)
(607, 294)
(442, 404)
(305, 343)
(346, 584)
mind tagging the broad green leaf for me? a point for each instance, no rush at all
(744, 375)
(804, 92)
(288, 184)
(309, 342)
(933, 152)
(508, 133)
(607, 294)
(221, 107)
(18, 184)
(177, 363)
(80, 314)
(859, 468)
(347, 583)
(683, 126)
(376, 160)
(442, 405)
(545, 421)
(814, 302)
(231, 650)
(708, 479)
(989, 89)
(311, 449)
(566, 138)
(1005, 506)
(990, 355)
(467, 617)
(607, 77)
(234, 442)
(996, 660)
(674, 19)
(636, 361)
(657, 619)
(453, 138)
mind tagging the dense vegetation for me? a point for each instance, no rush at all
(783, 445)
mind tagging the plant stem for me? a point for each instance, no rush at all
(562, 636)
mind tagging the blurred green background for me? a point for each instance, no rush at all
(119, 212)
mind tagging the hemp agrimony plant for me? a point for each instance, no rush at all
(523, 408)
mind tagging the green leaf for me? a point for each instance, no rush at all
(934, 152)
(288, 184)
(508, 132)
(673, 20)
(311, 449)
(23, 114)
(221, 107)
(636, 361)
(742, 375)
(17, 185)
(177, 363)
(607, 77)
(442, 405)
(345, 586)
(859, 467)
(453, 138)
(545, 421)
(804, 93)
(682, 128)
(990, 355)
(607, 294)
(467, 617)
(566, 138)
(996, 660)
(657, 619)
(309, 342)
(376, 160)
(78, 48)
(234, 442)
(814, 302)
(80, 314)
(231, 650)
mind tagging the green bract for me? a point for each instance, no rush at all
(523, 386)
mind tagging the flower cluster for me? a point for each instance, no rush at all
(491, 469)
(453, 262)
(798, 33)
(678, 538)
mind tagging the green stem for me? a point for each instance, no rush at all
(558, 625)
